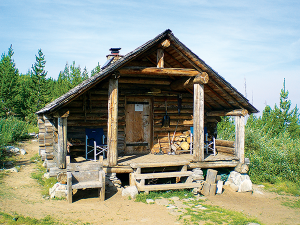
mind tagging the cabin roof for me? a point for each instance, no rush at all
(219, 94)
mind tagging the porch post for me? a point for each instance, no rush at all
(62, 142)
(240, 138)
(198, 139)
(112, 123)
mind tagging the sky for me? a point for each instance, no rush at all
(254, 44)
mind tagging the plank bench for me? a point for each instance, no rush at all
(85, 175)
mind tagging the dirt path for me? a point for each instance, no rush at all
(22, 195)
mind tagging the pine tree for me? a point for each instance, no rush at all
(96, 70)
(39, 82)
(8, 80)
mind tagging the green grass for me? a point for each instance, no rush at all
(283, 187)
(39, 176)
(164, 194)
(295, 204)
(213, 215)
(18, 219)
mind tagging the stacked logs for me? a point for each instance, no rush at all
(178, 144)
(225, 146)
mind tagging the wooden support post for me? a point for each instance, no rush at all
(160, 58)
(112, 123)
(62, 142)
(240, 138)
(198, 138)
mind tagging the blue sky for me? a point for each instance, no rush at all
(253, 41)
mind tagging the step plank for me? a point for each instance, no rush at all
(163, 175)
(161, 187)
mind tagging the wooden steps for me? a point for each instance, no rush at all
(162, 187)
(163, 175)
(138, 178)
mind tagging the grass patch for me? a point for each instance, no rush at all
(295, 204)
(164, 194)
(213, 215)
(283, 187)
(39, 175)
(18, 219)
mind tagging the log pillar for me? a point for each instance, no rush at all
(62, 142)
(240, 138)
(198, 139)
(160, 58)
(112, 123)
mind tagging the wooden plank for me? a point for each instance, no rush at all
(236, 112)
(224, 143)
(198, 117)
(160, 187)
(163, 175)
(159, 164)
(144, 81)
(228, 150)
(112, 123)
(215, 164)
(159, 71)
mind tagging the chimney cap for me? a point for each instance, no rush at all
(115, 50)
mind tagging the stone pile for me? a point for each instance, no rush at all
(111, 180)
(197, 177)
(239, 182)
(12, 149)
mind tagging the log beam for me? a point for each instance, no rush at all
(165, 44)
(240, 138)
(236, 112)
(128, 80)
(112, 123)
(134, 70)
(198, 117)
(184, 83)
(160, 58)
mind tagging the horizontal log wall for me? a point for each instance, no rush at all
(46, 137)
(90, 110)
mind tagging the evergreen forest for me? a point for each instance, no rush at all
(272, 140)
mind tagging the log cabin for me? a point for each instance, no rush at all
(147, 102)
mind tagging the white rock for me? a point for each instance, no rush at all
(23, 152)
(219, 187)
(47, 175)
(234, 187)
(13, 170)
(245, 186)
(149, 200)
(131, 191)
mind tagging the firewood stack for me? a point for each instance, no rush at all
(181, 144)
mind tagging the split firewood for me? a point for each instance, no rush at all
(184, 145)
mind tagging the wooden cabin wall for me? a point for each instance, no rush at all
(46, 137)
(182, 121)
(90, 110)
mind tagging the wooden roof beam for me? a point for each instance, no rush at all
(182, 84)
(236, 112)
(159, 71)
(226, 93)
(219, 97)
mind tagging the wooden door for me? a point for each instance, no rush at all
(138, 131)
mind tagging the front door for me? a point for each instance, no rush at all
(138, 113)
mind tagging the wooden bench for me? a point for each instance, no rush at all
(85, 175)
